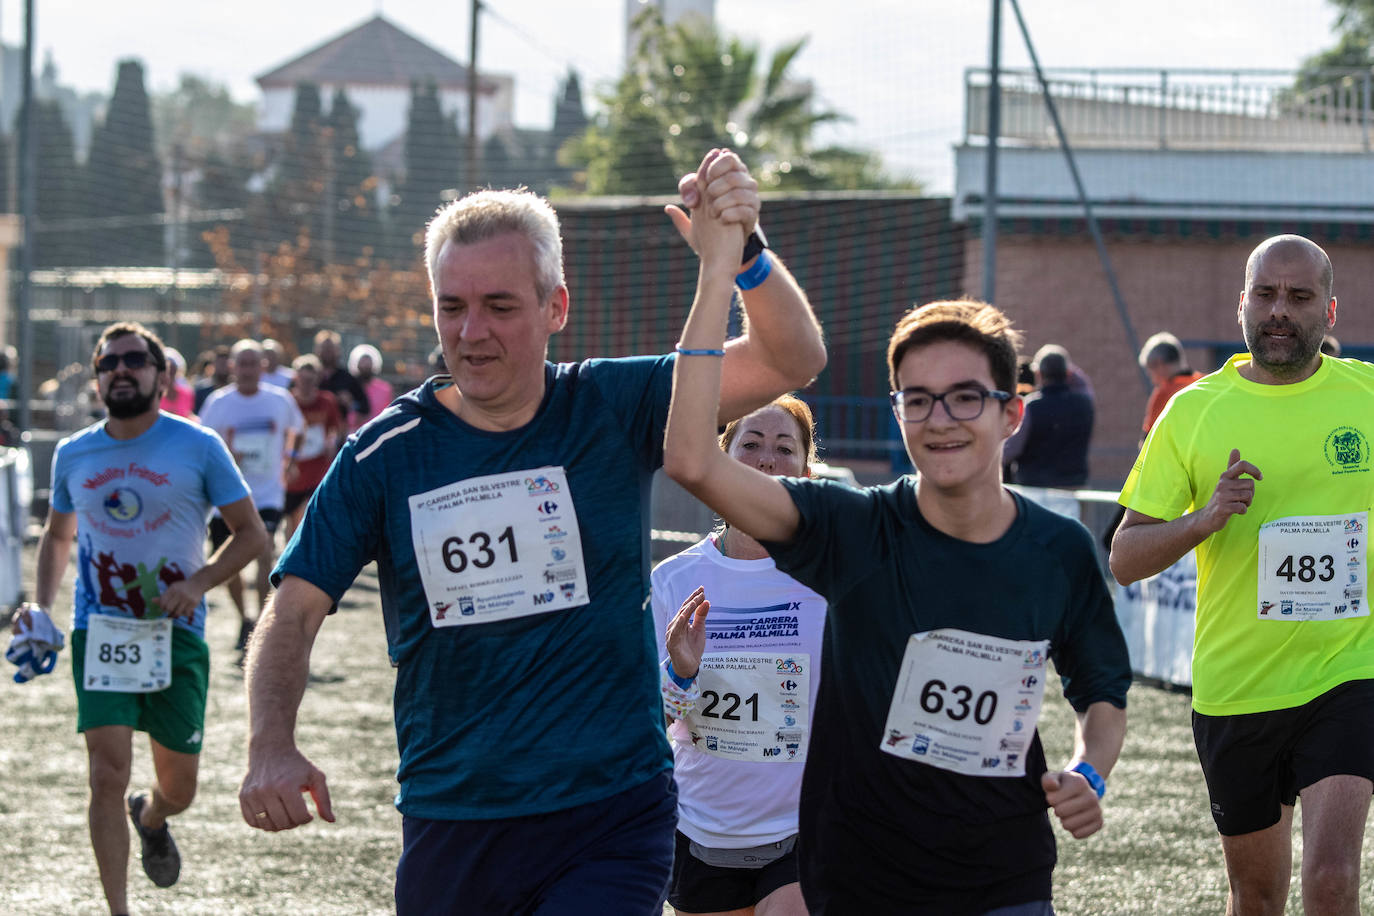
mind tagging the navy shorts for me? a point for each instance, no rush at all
(1258, 761)
(609, 856)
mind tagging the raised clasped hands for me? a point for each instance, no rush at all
(724, 202)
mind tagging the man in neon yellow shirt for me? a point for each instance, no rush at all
(1264, 467)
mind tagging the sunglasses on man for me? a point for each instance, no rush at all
(134, 359)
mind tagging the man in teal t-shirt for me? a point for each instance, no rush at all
(1264, 468)
(506, 504)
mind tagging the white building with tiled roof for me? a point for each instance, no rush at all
(375, 64)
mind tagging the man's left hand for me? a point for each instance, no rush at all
(1074, 802)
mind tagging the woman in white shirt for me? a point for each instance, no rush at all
(743, 647)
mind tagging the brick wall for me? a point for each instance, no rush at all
(1184, 278)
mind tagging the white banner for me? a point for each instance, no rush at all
(1157, 616)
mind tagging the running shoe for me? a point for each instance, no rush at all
(245, 631)
(161, 861)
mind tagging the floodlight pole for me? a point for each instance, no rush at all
(28, 205)
(473, 154)
(990, 174)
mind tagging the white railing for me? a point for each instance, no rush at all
(1179, 109)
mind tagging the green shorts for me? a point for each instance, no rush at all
(174, 718)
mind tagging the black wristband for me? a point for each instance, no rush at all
(756, 242)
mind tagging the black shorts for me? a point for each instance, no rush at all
(701, 888)
(296, 500)
(1256, 762)
(219, 531)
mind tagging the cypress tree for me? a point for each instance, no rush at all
(356, 224)
(295, 205)
(124, 178)
(569, 120)
(433, 160)
(59, 189)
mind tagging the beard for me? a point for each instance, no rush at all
(1281, 359)
(127, 407)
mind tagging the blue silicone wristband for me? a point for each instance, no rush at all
(1092, 776)
(688, 351)
(684, 682)
(763, 266)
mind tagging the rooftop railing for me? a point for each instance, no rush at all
(1132, 108)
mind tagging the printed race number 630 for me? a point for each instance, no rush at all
(933, 700)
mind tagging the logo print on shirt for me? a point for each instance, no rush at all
(123, 504)
(1347, 450)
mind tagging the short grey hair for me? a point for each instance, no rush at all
(1163, 347)
(484, 215)
(246, 343)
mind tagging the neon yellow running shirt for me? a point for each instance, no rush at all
(1311, 441)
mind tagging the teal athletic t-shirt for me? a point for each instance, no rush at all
(141, 507)
(525, 710)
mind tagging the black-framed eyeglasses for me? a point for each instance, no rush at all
(134, 359)
(916, 406)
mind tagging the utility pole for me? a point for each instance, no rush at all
(990, 173)
(474, 163)
(172, 332)
(28, 169)
(331, 193)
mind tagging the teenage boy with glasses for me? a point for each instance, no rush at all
(926, 786)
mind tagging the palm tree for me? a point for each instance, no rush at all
(690, 88)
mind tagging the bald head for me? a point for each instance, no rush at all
(1286, 245)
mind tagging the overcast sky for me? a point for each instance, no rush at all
(894, 66)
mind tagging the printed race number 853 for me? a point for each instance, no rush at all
(120, 655)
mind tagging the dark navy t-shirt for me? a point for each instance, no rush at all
(534, 713)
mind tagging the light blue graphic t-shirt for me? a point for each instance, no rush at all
(141, 506)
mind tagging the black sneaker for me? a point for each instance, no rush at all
(245, 631)
(161, 861)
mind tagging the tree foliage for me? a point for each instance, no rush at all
(354, 224)
(124, 179)
(434, 160)
(690, 88)
(58, 189)
(202, 118)
(1354, 47)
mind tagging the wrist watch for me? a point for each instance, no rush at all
(756, 243)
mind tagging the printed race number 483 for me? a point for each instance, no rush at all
(1306, 570)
